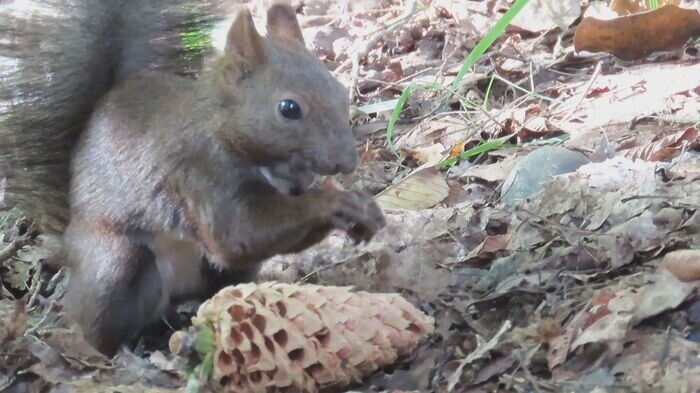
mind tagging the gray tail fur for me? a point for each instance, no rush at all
(57, 58)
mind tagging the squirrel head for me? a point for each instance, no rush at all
(288, 114)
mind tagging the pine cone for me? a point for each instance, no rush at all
(275, 337)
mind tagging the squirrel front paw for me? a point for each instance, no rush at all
(357, 214)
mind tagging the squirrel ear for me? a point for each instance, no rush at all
(282, 22)
(243, 42)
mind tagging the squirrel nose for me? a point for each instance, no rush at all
(339, 155)
(347, 163)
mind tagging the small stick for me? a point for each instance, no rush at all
(11, 249)
(363, 48)
(596, 72)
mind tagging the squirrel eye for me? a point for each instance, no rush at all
(290, 109)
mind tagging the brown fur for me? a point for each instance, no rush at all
(174, 163)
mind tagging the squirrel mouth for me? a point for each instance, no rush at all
(288, 180)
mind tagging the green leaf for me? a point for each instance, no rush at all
(468, 63)
(204, 340)
(395, 115)
(207, 366)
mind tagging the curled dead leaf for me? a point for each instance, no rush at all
(665, 148)
(684, 264)
(633, 37)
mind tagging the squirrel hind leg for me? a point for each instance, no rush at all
(115, 288)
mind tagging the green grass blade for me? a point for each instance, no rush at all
(487, 95)
(395, 115)
(468, 63)
(488, 39)
(6, 217)
(476, 150)
(204, 340)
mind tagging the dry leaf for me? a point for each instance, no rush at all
(542, 15)
(665, 148)
(635, 36)
(420, 190)
(429, 155)
(684, 264)
(666, 293)
(612, 327)
(625, 7)
(457, 148)
(482, 350)
(496, 172)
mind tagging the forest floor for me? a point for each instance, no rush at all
(543, 207)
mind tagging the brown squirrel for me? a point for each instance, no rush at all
(168, 173)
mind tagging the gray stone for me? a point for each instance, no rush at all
(536, 168)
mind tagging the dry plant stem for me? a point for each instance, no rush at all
(536, 41)
(363, 49)
(666, 347)
(552, 224)
(528, 375)
(480, 330)
(635, 197)
(350, 13)
(397, 84)
(57, 278)
(571, 111)
(32, 330)
(11, 249)
(320, 269)
(35, 288)
(489, 117)
(354, 75)
(677, 162)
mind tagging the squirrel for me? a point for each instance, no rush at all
(149, 175)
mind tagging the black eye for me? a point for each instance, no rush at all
(290, 109)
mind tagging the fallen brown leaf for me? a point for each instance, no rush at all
(420, 190)
(496, 172)
(635, 36)
(665, 148)
(684, 264)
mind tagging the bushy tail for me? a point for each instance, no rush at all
(57, 58)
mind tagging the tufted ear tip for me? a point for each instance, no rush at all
(243, 42)
(282, 22)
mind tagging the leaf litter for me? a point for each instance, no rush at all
(587, 282)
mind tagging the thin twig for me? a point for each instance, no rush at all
(11, 249)
(596, 72)
(32, 330)
(363, 48)
(35, 286)
(338, 15)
